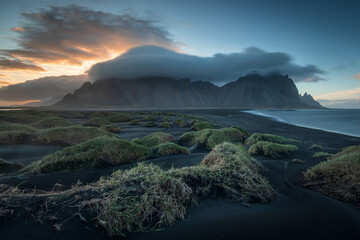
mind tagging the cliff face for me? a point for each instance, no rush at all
(251, 91)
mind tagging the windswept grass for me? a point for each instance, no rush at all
(271, 149)
(338, 177)
(169, 148)
(200, 125)
(149, 117)
(316, 147)
(209, 138)
(154, 139)
(113, 128)
(149, 124)
(98, 152)
(322, 155)
(96, 122)
(16, 127)
(241, 129)
(180, 123)
(9, 167)
(14, 137)
(165, 125)
(135, 122)
(257, 137)
(50, 122)
(68, 135)
(120, 117)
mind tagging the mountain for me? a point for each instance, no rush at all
(309, 100)
(251, 91)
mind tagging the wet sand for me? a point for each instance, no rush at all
(296, 213)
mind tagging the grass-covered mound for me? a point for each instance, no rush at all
(16, 127)
(257, 137)
(14, 137)
(149, 124)
(165, 125)
(113, 128)
(208, 138)
(154, 139)
(68, 135)
(180, 123)
(96, 122)
(98, 152)
(271, 149)
(24, 116)
(147, 197)
(241, 129)
(120, 117)
(321, 155)
(9, 167)
(169, 148)
(50, 122)
(200, 125)
(316, 147)
(135, 122)
(148, 118)
(338, 177)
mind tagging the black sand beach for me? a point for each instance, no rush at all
(296, 213)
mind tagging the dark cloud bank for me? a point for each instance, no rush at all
(221, 68)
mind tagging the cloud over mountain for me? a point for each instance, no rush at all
(221, 68)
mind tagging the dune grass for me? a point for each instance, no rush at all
(270, 149)
(16, 127)
(96, 122)
(134, 122)
(257, 137)
(97, 152)
(113, 128)
(67, 135)
(148, 118)
(165, 125)
(120, 117)
(149, 124)
(208, 138)
(180, 123)
(9, 167)
(154, 139)
(338, 177)
(147, 197)
(316, 147)
(24, 116)
(50, 122)
(200, 125)
(169, 148)
(321, 155)
(14, 137)
(241, 129)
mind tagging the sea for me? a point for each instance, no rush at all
(344, 121)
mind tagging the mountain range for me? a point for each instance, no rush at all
(250, 91)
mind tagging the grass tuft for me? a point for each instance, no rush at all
(113, 128)
(200, 125)
(154, 139)
(165, 125)
(50, 122)
(316, 147)
(322, 155)
(169, 148)
(149, 124)
(257, 137)
(135, 122)
(121, 117)
(180, 123)
(241, 129)
(96, 122)
(271, 149)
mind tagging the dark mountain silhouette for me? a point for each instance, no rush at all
(309, 100)
(251, 91)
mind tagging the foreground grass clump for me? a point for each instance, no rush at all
(270, 149)
(148, 118)
(50, 122)
(121, 117)
(113, 128)
(16, 127)
(165, 125)
(14, 137)
(208, 138)
(96, 122)
(241, 129)
(98, 152)
(180, 123)
(316, 147)
(135, 122)
(322, 155)
(9, 167)
(24, 116)
(147, 197)
(169, 148)
(68, 135)
(149, 124)
(257, 137)
(338, 177)
(154, 139)
(200, 125)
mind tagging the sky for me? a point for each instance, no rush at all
(315, 42)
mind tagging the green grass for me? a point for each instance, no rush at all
(9, 167)
(148, 118)
(316, 147)
(165, 125)
(169, 148)
(149, 124)
(97, 152)
(257, 137)
(113, 128)
(16, 127)
(96, 122)
(68, 135)
(200, 125)
(211, 137)
(154, 139)
(165, 120)
(50, 122)
(180, 123)
(24, 116)
(135, 122)
(338, 177)
(147, 197)
(121, 117)
(14, 137)
(241, 129)
(322, 155)
(270, 149)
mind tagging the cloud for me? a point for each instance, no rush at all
(357, 76)
(346, 94)
(220, 68)
(14, 65)
(3, 76)
(42, 88)
(341, 103)
(4, 82)
(74, 34)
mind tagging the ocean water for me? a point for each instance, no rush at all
(344, 121)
